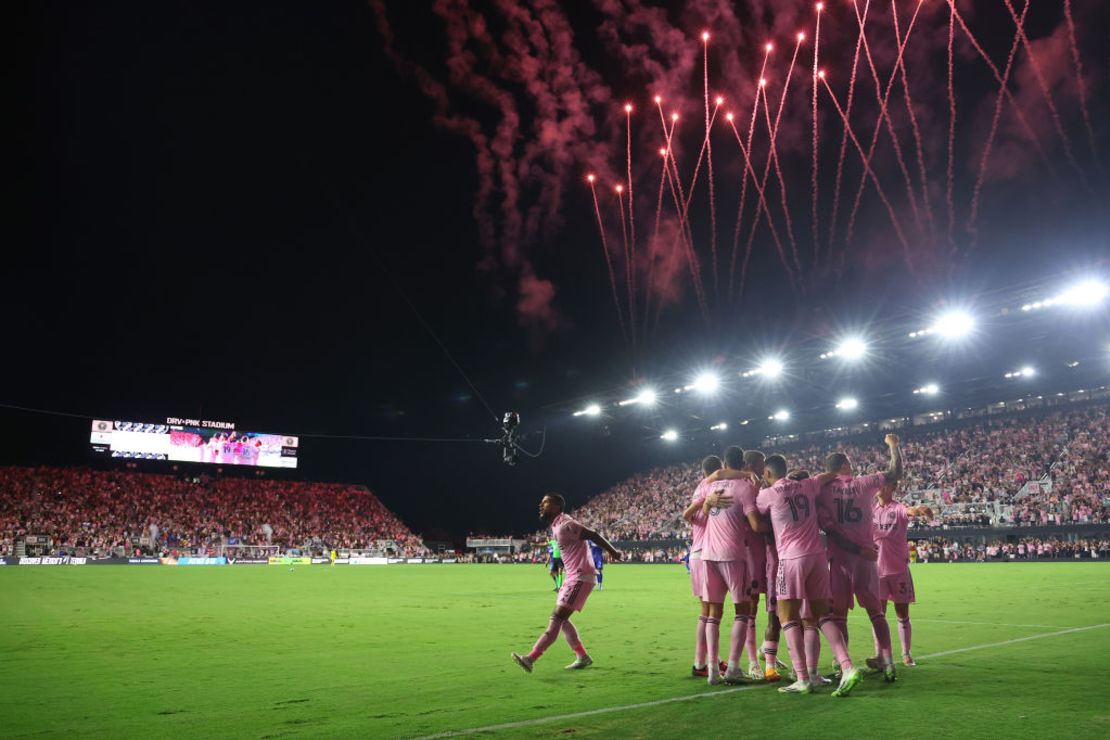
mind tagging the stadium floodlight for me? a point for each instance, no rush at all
(669, 436)
(929, 389)
(706, 383)
(1085, 294)
(722, 427)
(1028, 371)
(954, 324)
(847, 404)
(646, 397)
(592, 410)
(780, 415)
(850, 348)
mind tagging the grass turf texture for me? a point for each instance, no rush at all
(415, 650)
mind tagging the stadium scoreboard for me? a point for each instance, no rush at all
(193, 441)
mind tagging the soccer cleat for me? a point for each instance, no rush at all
(852, 676)
(755, 672)
(523, 661)
(771, 675)
(582, 661)
(818, 680)
(889, 674)
(908, 661)
(875, 663)
(699, 672)
(722, 666)
(798, 687)
(733, 678)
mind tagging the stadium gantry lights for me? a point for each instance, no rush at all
(849, 348)
(1026, 372)
(722, 427)
(705, 383)
(954, 324)
(847, 404)
(780, 415)
(646, 397)
(929, 389)
(768, 368)
(669, 435)
(1084, 294)
(593, 409)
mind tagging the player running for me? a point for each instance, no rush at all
(895, 582)
(802, 571)
(570, 537)
(846, 516)
(555, 566)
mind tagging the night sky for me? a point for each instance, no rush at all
(273, 213)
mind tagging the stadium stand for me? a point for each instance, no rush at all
(100, 513)
(1027, 470)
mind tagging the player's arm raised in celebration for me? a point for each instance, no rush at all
(894, 472)
(589, 534)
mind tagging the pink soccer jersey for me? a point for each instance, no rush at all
(793, 509)
(727, 530)
(847, 503)
(576, 553)
(891, 522)
(697, 525)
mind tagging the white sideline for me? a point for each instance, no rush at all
(723, 692)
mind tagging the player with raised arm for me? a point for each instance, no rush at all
(846, 516)
(695, 516)
(802, 570)
(892, 518)
(571, 538)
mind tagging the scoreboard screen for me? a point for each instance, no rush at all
(194, 444)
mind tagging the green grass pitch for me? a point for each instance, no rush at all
(403, 651)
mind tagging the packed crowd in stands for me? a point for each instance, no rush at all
(1027, 548)
(1035, 469)
(99, 513)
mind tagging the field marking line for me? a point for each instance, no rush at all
(863, 617)
(724, 692)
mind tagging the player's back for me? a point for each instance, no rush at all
(697, 523)
(792, 506)
(726, 529)
(891, 523)
(848, 502)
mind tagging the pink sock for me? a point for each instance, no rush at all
(882, 636)
(796, 642)
(736, 640)
(878, 647)
(753, 656)
(571, 633)
(713, 640)
(905, 631)
(832, 633)
(699, 644)
(549, 636)
(813, 648)
(842, 625)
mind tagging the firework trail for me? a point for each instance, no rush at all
(844, 136)
(630, 263)
(879, 128)
(773, 157)
(627, 254)
(950, 170)
(884, 116)
(655, 238)
(867, 166)
(685, 234)
(1080, 85)
(1038, 74)
(972, 228)
(608, 258)
(709, 162)
(1018, 112)
(770, 221)
(816, 45)
(913, 120)
(744, 177)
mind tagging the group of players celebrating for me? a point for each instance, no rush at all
(756, 530)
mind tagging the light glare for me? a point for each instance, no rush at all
(670, 435)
